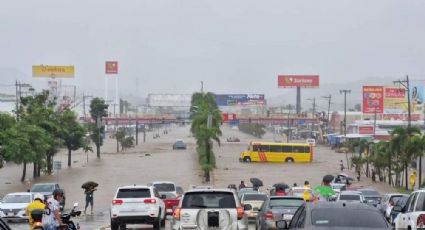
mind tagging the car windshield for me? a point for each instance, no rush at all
(395, 199)
(370, 192)
(133, 193)
(43, 188)
(285, 202)
(165, 187)
(349, 197)
(347, 217)
(260, 197)
(17, 199)
(209, 200)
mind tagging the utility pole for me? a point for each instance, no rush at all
(406, 84)
(202, 86)
(288, 127)
(345, 92)
(313, 114)
(329, 109)
(84, 103)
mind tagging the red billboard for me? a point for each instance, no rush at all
(111, 67)
(292, 81)
(365, 129)
(373, 99)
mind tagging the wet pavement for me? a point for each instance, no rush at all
(155, 160)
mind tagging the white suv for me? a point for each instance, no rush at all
(412, 215)
(137, 205)
(210, 208)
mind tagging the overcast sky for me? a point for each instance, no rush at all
(233, 46)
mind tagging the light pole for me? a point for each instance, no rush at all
(345, 92)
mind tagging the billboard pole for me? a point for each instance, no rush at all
(298, 100)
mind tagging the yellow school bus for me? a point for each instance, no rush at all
(277, 152)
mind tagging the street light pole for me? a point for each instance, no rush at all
(345, 91)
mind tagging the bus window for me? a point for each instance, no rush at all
(307, 149)
(275, 148)
(256, 148)
(287, 149)
(264, 148)
(298, 149)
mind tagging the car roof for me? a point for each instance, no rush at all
(44, 183)
(367, 189)
(339, 205)
(135, 186)
(351, 193)
(163, 182)
(210, 190)
(20, 193)
(286, 198)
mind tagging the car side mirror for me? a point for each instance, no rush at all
(397, 208)
(282, 225)
(247, 207)
(163, 197)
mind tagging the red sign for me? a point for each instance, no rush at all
(304, 81)
(395, 92)
(111, 67)
(365, 129)
(228, 117)
(373, 99)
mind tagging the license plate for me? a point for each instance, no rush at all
(287, 216)
(10, 214)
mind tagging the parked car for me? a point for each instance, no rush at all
(179, 145)
(387, 202)
(233, 139)
(137, 205)
(14, 204)
(336, 215)
(306, 193)
(47, 190)
(210, 208)
(371, 196)
(412, 215)
(171, 201)
(165, 187)
(400, 202)
(351, 196)
(277, 208)
(256, 200)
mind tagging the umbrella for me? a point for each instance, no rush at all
(281, 186)
(89, 184)
(256, 182)
(328, 178)
(324, 191)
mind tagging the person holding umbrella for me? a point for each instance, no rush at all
(89, 188)
(325, 190)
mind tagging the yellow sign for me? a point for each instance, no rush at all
(53, 71)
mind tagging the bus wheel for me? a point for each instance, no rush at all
(247, 159)
(289, 160)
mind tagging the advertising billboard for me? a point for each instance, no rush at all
(395, 100)
(373, 99)
(169, 100)
(111, 67)
(53, 71)
(239, 99)
(292, 81)
(416, 94)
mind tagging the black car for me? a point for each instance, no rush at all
(371, 196)
(336, 215)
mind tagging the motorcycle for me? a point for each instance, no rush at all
(68, 224)
(37, 217)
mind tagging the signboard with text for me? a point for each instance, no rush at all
(111, 67)
(239, 99)
(373, 99)
(303, 81)
(395, 101)
(53, 71)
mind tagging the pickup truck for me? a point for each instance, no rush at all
(47, 190)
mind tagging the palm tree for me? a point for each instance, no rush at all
(405, 146)
(206, 120)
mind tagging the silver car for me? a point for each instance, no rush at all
(210, 208)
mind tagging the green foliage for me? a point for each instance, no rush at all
(128, 142)
(202, 107)
(98, 110)
(71, 132)
(256, 130)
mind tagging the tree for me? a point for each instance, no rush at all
(120, 136)
(71, 132)
(25, 143)
(98, 110)
(206, 120)
(6, 122)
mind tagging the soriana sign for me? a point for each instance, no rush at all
(53, 71)
(291, 81)
(373, 99)
(111, 67)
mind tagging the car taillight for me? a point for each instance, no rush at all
(268, 215)
(240, 212)
(150, 201)
(176, 214)
(117, 202)
(421, 221)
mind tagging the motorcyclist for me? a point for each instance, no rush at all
(53, 219)
(37, 203)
